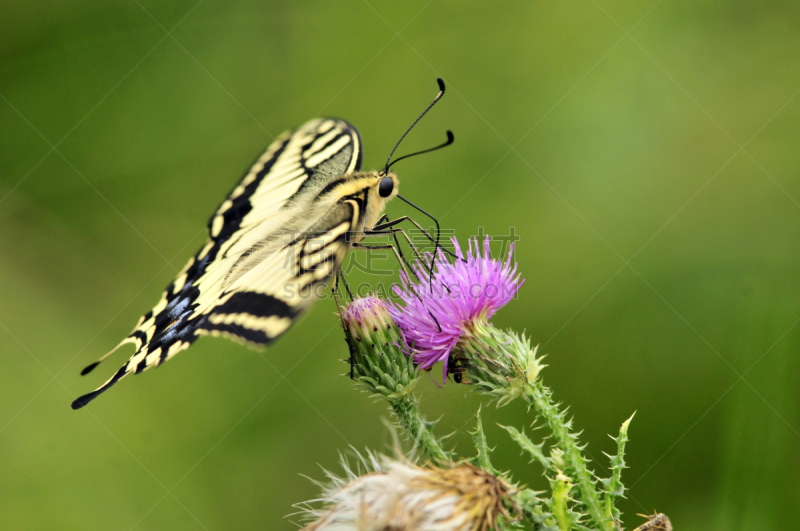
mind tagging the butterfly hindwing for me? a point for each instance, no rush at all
(269, 243)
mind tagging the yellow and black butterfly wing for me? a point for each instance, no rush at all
(270, 245)
(265, 301)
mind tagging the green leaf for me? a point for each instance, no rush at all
(481, 460)
(613, 486)
(535, 450)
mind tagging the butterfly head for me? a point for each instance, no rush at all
(380, 188)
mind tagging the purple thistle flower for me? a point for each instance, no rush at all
(464, 293)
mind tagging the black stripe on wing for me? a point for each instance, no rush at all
(254, 318)
(255, 304)
(238, 205)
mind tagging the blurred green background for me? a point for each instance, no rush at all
(646, 152)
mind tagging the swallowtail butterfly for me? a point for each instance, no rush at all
(284, 230)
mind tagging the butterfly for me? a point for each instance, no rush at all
(280, 235)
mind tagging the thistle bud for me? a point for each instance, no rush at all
(375, 346)
(367, 315)
(499, 363)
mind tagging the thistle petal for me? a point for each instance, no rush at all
(434, 315)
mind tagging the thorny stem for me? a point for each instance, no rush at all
(539, 397)
(421, 431)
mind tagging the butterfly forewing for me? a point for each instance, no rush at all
(272, 242)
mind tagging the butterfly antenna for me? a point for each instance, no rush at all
(450, 140)
(440, 81)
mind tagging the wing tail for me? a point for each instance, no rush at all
(148, 354)
(88, 397)
(89, 368)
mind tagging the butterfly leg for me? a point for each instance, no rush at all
(401, 260)
(335, 289)
(346, 285)
(414, 249)
(384, 224)
(398, 250)
(347, 338)
(388, 224)
(381, 225)
(395, 248)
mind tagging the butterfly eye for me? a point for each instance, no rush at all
(386, 187)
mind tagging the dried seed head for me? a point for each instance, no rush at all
(410, 498)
